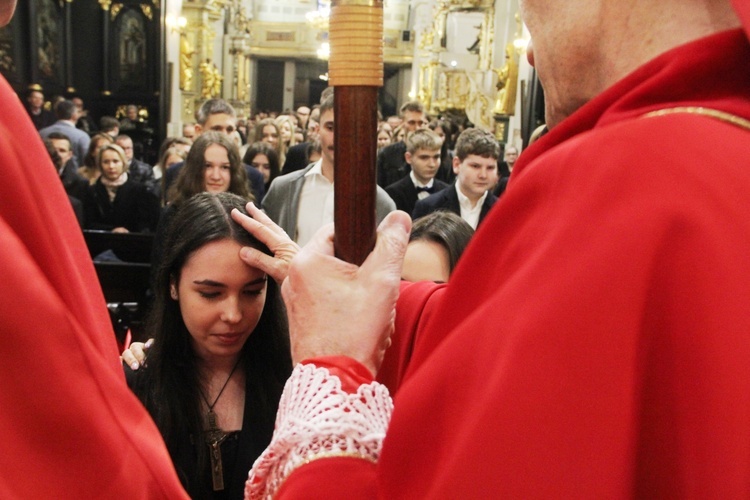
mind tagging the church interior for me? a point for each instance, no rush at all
(460, 58)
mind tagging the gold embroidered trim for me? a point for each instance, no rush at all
(697, 110)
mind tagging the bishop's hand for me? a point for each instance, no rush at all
(337, 308)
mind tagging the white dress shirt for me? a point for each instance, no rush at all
(468, 213)
(315, 204)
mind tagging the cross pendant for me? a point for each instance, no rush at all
(214, 438)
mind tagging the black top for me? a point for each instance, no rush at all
(238, 451)
(134, 208)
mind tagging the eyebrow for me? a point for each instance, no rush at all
(222, 285)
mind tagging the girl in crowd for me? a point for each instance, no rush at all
(89, 169)
(170, 156)
(213, 164)
(399, 134)
(436, 242)
(444, 129)
(286, 126)
(116, 203)
(267, 131)
(213, 378)
(263, 157)
(385, 137)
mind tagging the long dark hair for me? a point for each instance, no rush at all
(173, 398)
(263, 148)
(191, 179)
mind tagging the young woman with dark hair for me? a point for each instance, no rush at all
(213, 164)
(263, 156)
(213, 378)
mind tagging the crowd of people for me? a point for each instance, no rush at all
(591, 340)
(287, 155)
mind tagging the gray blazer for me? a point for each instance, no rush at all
(281, 202)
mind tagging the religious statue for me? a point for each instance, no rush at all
(186, 64)
(507, 84)
(216, 88)
(210, 80)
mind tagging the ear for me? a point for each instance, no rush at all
(407, 157)
(456, 164)
(173, 290)
(198, 129)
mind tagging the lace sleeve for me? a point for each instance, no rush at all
(317, 419)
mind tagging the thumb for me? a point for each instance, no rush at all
(390, 247)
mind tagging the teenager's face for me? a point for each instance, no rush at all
(286, 131)
(218, 122)
(384, 139)
(424, 163)
(475, 175)
(221, 299)
(263, 165)
(111, 165)
(270, 135)
(217, 169)
(413, 120)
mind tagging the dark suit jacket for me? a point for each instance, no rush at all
(296, 158)
(133, 208)
(253, 174)
(74, 183)
(391, 165)
(447, 199)
(404, 193)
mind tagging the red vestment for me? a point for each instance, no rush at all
(69, 426)
(594, 340)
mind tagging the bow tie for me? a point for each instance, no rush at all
(425, 189)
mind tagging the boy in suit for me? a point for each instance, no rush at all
(423, 155)
(475, 165)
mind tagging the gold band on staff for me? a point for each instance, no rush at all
(356, 38)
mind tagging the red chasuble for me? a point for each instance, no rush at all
(69, 426)
(594, 340)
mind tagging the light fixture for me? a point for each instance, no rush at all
(454, 64)
(324, 51)
(175, 23)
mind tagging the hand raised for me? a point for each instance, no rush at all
(271, 235)
(337, 308)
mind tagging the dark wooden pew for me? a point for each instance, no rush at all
(125, 283)
(128, 247)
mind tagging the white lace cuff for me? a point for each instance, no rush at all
(317, 419)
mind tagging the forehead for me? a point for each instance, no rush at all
(219, 261)
(487, 161)
(125, 141)
(327, 116)
(216, 151)
(220, 119)
(413, 115)
(110, 153)
(427, 152)
(57, 143)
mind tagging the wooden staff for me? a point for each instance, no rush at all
(355, 69)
